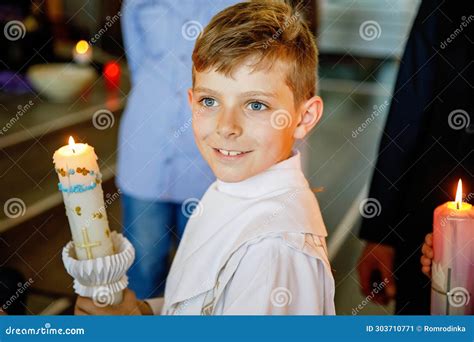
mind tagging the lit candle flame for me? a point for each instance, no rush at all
(82, 46)
(72, 143)
(459, 195)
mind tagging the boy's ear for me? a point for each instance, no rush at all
(190, 98)
(312, 111)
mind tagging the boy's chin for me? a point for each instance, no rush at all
(231, 176)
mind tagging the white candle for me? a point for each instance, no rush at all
(80, 183)
(82, 52)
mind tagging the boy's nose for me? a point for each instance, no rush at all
(228, 126)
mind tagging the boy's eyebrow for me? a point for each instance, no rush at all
(248, 93)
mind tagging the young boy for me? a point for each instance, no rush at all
(256, 242)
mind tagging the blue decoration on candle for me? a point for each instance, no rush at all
(77, 188)
(92, 172)
(71, 171)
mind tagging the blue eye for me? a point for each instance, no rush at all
(208, 102)
(257, 106)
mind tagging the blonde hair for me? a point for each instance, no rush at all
(267, 30)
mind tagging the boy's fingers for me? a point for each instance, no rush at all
(427, 251)
(79, 312)
(88, 306)
(129, 295)
(425, 261)
(429, 239)
(426, 270)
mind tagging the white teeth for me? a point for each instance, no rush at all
(230, 153)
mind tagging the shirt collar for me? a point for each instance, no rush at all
(283, 175)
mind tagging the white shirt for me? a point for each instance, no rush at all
(253, 247)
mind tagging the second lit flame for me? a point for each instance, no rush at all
(458, 200)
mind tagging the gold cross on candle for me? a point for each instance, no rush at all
(86, 244)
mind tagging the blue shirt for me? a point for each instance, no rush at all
(157, 155)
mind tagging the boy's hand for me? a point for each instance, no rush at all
(427, 256)
(130, 306)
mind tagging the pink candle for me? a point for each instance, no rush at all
(452, 279)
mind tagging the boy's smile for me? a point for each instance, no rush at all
(245, 123)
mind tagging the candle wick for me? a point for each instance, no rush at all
(73, 150)
(457, 205)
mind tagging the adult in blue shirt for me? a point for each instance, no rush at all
(160, 171)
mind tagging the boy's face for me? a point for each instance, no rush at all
(246, 123)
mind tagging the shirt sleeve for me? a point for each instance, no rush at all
(274, 278)
(156, 304)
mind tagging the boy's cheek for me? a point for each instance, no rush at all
(203, 127)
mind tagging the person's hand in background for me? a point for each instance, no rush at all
(427, 257)
(130, 306)
(376, 271)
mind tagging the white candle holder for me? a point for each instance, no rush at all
(103, 279)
